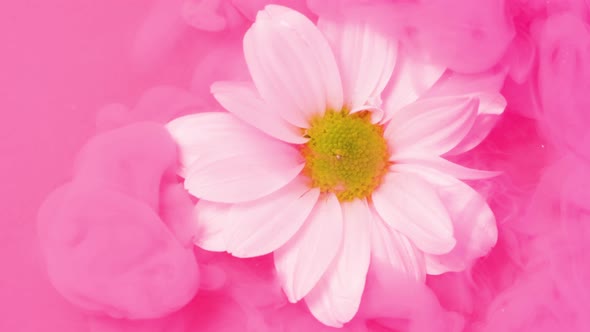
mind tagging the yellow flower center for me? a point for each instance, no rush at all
(346, 154)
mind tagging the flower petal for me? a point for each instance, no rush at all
(455, 84)
(490, 109)
(264, 225)
(246, 175)
(411, 206)
(211, 220)
(242, 165)
(366, 59)
(431, 125)
(474, 227)
(336, 298)
(411, 78)
(484, 87)
(392, 252)
(305, 258)
(439, 170)
(242, 100)
(292, 65)
(194, 134)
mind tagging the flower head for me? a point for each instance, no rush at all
(311, 164)
(346, 154)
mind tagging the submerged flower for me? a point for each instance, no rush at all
(310, 164)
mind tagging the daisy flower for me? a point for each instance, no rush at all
(331, 160)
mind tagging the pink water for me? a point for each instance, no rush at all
(62, 60)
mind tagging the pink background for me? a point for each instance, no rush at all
(60, 61)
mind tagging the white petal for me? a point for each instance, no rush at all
(224, 160)
(242, 100)
(454, 85)
(439, 171)
(366, 58)
(195, 134)
(411, 206)
(336, 298)
(292, 65)
(491, 106)
(484, 87)
(411, 78)
(247, 175)
(431, 125)
(474, 227)
(305, 258)
(262, 226)
(393, 253)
